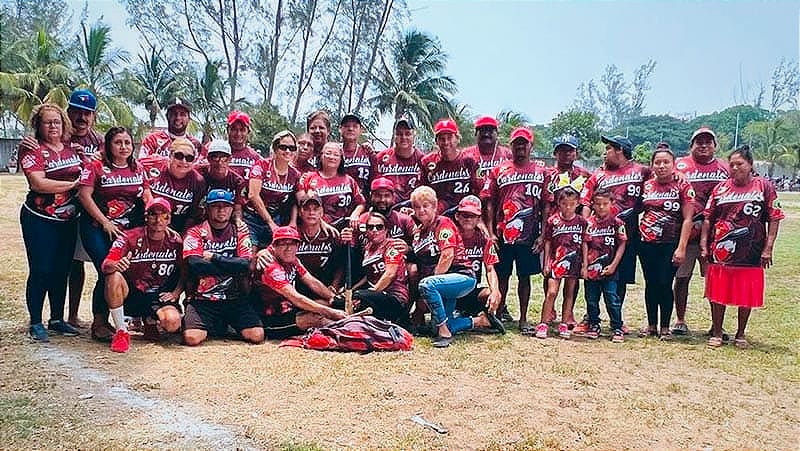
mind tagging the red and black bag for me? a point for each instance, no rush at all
(356, 333)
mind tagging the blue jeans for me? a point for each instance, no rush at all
(440, 292)
(608, 287)
(97, 244)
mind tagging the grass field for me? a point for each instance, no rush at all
(491, 392)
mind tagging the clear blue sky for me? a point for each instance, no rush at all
(530, 56)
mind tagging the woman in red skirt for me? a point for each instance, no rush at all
(738, 236)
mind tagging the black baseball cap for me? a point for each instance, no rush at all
(404, 120)
(350, 117)
(619, 141)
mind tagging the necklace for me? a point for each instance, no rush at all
(308, 240)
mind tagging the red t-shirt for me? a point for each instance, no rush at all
(358, 164)
(184, 194)
(703, 177)
(739, 216)
(242, 160)
(430, 241)
(117, 191)
(275, 277)
(480, 251)
(487, 162)
(626, 186)
(64, 166)
(155, 265)
(339, 194)
(602, 238)
(277, 192)
(403, 172)
(321, 254)
(452, 180)
(519, 195)
(374, 264)
(231, 241)
(566, 238)
(158, 143)
(661, 205)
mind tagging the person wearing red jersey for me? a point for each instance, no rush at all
(741, 222)
(176, 180)
(143, 275)
(321, 250)
(704, 172)
(603, 245)
(359, 159)
(487, 153)
(305, 148)
(219, 175)
(113, 192)
(178, 117)
(284, 311)
(401, 163)
(318, 127)
(399, 226)
(270, 189)
(515, 193)
(444, 269)
(447, 171)
(481, 252)
(243, 157)
(342, 200)
(667, 210)
(563, 259)
(48, 218)
(218, 253)
(385, 275)
(624, 179)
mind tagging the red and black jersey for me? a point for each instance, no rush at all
(576, 175)
(340, 194)
(703, 177)
(403, 172)
(430, 241)
(566, 240)
(398, 225)
(155, 265)
(625, 184)
(231, 182)
(158, 143)
(602, 237)
(277, 191)
(487, 162)
(519, 195)
(374, 264)
(661, 210)
(242, 161)
(358, 164)
(321, 254)
(275, 277)
(480, 251)
(65, 166)
(739, 217)
(184, 194)
(117, 191)
(91, 144)
(452, 180)
(231, 241)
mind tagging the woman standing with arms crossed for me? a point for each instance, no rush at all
(49, 218)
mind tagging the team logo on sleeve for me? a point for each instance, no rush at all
(45, 154)
(392, 253)
(154, 172)
(385, 158)
(190, 243)
(445, 234)
(431, 166)
(681, 165)
(690, 193)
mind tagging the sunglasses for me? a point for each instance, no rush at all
(286, 147)
(375, 227)
(158, 216)
(183, 156)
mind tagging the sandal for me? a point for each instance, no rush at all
(526, 329)
(741, 343)
(665, 336)
(714, 342)
(102, 332)
(645, 332)
(495, 323)
(442, 342)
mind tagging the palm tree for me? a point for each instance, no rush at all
(152, 83)
(207, 95)
(770, 141)
(414, 82)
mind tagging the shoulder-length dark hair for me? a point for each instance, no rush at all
(110, 134)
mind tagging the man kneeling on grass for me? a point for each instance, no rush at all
(218, 254)
(284, 311)
(143, 276)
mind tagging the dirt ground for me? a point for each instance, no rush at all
(490, 392)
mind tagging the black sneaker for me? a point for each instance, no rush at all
(62, 327)
(37, 332)
(593, 332)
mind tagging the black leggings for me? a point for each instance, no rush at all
(659, 273)
(384, 306)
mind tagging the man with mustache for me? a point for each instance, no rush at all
(179, 114)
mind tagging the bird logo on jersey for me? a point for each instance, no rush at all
(726, 243)
(595, 269)
(563, 261)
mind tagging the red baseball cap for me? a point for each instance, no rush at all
(470, 204)
(445, 126)
(486, 121)
(158, 202)
(521, 132)
(239, 116)
(381, 183)
(285, 233)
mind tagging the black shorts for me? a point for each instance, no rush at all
(145, 305)
(278, 327)
(215, 316)
(528, 263)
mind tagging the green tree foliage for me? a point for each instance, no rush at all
(266, 122)
(152, 82)
(582, 124)
(772, 142)
(642, 152)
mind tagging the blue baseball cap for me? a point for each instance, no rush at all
(83, 99)
(619, 141)
(565, 140)
(219, 195)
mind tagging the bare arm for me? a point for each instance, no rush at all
(489, 219)
(317, 286)
(704, 232)
(445, 261)
(686, 229)
(494, 289)
(85, 196)
(387, 277)
(304, 303)
(612, 268)
(254, 194)
(772, 234)
(41, 184)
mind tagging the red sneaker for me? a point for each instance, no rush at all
(581, 328)
(121, 341)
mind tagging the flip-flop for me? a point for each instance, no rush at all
(714, 342)
(527, 329)
(741, 343)
(495, 323)
(442, 342)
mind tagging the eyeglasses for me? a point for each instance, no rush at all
(158, 216)
(183, 156)
(286, 147)
(375, 227)
(52, 123)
